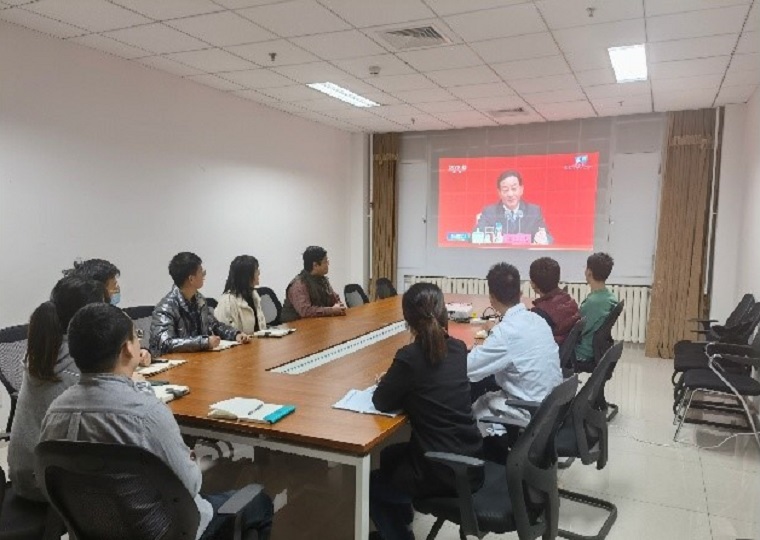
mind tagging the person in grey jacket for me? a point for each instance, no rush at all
(49, 371)
(182, 320)
(107, 406)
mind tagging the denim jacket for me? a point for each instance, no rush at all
(174, 326)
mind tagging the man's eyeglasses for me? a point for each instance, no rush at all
(139, 333)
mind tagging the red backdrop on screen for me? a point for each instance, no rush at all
(563, 185)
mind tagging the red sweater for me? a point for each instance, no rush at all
(559, 310)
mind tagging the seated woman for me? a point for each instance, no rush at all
(428, 380)
(49, 371)
(240, 305)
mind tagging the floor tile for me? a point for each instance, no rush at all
(732, 493)
(731, 529)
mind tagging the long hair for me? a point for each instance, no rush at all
(242, 270)
(425, 313)
(50, 320)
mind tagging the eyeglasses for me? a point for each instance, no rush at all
(139, 333)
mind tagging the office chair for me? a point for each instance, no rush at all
(12, 353)
(567, 349)
(270, 305)
(384, 289)
(713, 332)
(142, 316)
(355, 295)
(211, 302)
(520, 496)
(121, 492)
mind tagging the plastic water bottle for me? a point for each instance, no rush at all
(498, 236)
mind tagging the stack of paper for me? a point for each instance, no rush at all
(250, 410)
(169, 392)
(274, 332)
(224, 344)
(361, 401)
(159, 366)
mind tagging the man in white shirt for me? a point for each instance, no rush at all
(520, 352)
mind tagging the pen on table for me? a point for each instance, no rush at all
(260, 405)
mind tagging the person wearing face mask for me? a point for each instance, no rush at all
(108, 274)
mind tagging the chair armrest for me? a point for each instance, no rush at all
(506, 422)
(238, 501)
(454, 461)
(530, 406)
(697, 319)
(702, 331)
(5, 435)
(743, 360)
(731, 349)
(460, 465)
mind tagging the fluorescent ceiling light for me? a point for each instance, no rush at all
(629, 63)
(338, 92)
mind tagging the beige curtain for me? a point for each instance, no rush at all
(679, 274)
(384, 187)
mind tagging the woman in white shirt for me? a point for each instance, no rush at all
(240, 305)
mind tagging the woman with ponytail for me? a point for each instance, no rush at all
(428, 381)
(49, 371)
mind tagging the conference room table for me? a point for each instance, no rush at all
(315, 429)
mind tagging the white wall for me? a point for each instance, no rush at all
(100, 157)
(749, 252)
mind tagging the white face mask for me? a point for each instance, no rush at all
(115, 298)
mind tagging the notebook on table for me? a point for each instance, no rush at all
(159, 366)
(274, 332)
(361, 401)
(249, 410)
(225, 344)
(170, 392)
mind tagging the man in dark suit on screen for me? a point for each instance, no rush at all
(511, 220)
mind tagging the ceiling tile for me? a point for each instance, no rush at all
(746, 62)
(452, 7)
(215, 82)
(698, 82)
(444, 106)
(736, 94)
(708, 22)
(528, 117)
(596, 76)
(222, 29)
(544, 84)
(601, 36)
(679, 101)
(169, 9)
(253, 95)
(429, 125)
(435, 58)
(363, 14)
(239, 4)
(169, 66)
(388, 64)
(569, 13)
(621, 106)
(111, 46)
(618, 90)
(286, 53)
(324, 104)
(482, 90)
(33, 21)
(556, 96)
(298, 18)
(95, 15)
(664, 7)
(339, 45)
(211, 60)
(496, 103)
(749, 42)
(157, 38)
(685, 49)
(464, 76)
(466, 119)
(687, 68)
(378, 125)
(737, 77)
(397, 83)
(16, 2)
(353, 113)
(298, 92)
(423, 96)
(537, 67)
(516, 48)
(565, 111)
(393, 112)
(497, 23)
(588, 59)
(753, 21)
(261, 78)
(313, 73)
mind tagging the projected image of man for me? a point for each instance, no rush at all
(511, 216)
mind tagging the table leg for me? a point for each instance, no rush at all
(361, 506)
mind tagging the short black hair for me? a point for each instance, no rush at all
(96, 335)
(600, 265)
(507, 174)
(98, 269)
(182, 266)
(504, 283)
(544, 273)
(313, 255)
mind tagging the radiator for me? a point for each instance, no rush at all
(630, 327)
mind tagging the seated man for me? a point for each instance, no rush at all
(182, 321)
(557, 307)
(520, 352)
(597, 304)
(106, 406)
(310, 294)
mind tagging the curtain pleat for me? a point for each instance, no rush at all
(385, 147)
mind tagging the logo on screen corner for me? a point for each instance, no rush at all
(581, 162)
(457, 169)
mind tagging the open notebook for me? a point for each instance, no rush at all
(225, 344)
(274, 332)
(249, 410)
(170, 392)
(159, 366)
(361, 401)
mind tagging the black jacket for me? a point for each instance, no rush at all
(528, 219)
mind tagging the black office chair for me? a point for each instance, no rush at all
(384, 289)
(713, 332)
(584, 435)
(270, 305)
(567, 349)
(355, 295)
(21, 519)
(211, 302)
(12, 353)
(521, 496)
(142, 316)
(120, 492)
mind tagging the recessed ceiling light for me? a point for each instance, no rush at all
(338, 92)
(629, 63)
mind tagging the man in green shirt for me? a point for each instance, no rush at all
(597, 304)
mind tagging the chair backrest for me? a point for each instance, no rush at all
(355, 295)
(142, 316)
(270, 305)
(384, 289)
(211, 302)
(588, 412)
(13, 341)
(567, 349)
(603, 336)
(742, 332)
(532, 466)
(115, 492)
(740, 311)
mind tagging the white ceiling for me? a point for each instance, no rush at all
(547, 56)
